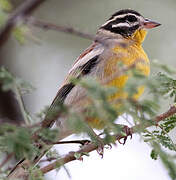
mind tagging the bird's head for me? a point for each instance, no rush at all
(129, 24)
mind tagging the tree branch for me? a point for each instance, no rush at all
(50, 26)
(92, 146)
(157, 119)
(68, 158)
(19, 13)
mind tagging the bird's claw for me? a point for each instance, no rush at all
(100, 145)
(108, 146)
(128, 132)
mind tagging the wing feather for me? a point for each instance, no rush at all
(82, 67)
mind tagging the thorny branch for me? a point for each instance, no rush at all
(92, 146)
(19, 13)
(71, 30)
(50, 26)
(159, 118)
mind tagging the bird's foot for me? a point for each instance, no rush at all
(127, 131)
(100, 146)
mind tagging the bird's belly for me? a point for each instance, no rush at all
(127, 57)
(110, 78)
(117, 67)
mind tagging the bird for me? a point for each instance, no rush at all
(100, 60)
(118, 40)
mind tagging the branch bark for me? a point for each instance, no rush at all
(157, 119)
(50, 26)
(92, 146)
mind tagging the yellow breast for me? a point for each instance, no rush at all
(133, 53)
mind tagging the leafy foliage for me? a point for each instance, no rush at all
(10, 82)
(167, 160)
(5, 5)
(168, 124)
(18, 140)
(154, 154)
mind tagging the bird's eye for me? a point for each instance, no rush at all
(131, 18)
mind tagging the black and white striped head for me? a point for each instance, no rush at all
(126, 22)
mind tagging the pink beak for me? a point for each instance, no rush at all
(149, 24)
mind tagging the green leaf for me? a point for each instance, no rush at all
(49, 134)
(17, 140)
(77, 155)
(19, 33)
(5, 5)
(154, 154)
(166, 159)
(85, 153)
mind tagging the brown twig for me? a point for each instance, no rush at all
(159, 118)
(167, 114)
(50, 26)
(92, 146)
(82, 142)
(68, 158)
(19, 13)
(48, 159)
